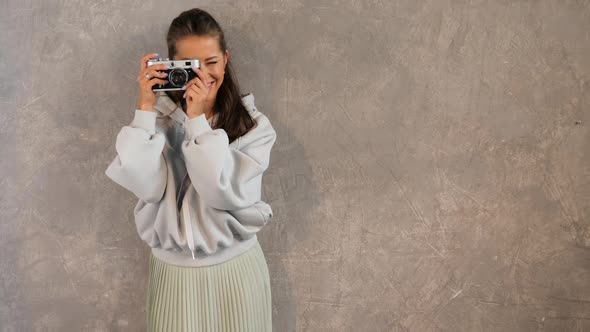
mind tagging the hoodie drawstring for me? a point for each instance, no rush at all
(189, 229)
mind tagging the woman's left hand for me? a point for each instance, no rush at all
(197, 95)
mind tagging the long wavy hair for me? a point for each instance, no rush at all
(232, 116)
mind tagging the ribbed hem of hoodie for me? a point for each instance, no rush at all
(145, 120)
(184, 259)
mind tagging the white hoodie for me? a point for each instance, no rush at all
(164, 154)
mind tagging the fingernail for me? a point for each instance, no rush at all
(168, 67)
(165, 74)
(183, 87)
(156, 54)
(195, 68)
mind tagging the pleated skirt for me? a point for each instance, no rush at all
(231, 296)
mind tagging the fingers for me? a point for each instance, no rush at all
(201, 77)
(194, 90)
(145, 59)
(195, 81)
(155, 73)
(196, 85)
(155, 81)
(152, 71)
(199, 80)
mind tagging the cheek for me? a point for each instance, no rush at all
(217, 72)
(219, 79)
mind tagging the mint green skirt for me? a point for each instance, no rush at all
(230, 296)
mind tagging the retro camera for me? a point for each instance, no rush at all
(179, 74)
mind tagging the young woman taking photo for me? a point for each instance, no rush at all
(195, 158)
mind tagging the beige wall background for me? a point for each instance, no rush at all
(431, 171)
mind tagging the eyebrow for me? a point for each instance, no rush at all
(209, 58)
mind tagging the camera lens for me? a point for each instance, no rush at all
(178, 77)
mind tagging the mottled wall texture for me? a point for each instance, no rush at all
(431, 171)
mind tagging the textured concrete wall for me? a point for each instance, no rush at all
(430, 172)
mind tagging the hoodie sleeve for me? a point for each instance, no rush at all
(226, 178)
(139, 165)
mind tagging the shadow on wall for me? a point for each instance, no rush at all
(288, 184)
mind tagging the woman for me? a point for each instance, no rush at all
(195, 159)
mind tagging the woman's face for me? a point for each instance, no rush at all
(212, 60)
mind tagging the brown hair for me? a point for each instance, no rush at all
(233, 117)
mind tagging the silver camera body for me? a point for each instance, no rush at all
(179, 74)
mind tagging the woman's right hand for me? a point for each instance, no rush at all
(147, 97)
